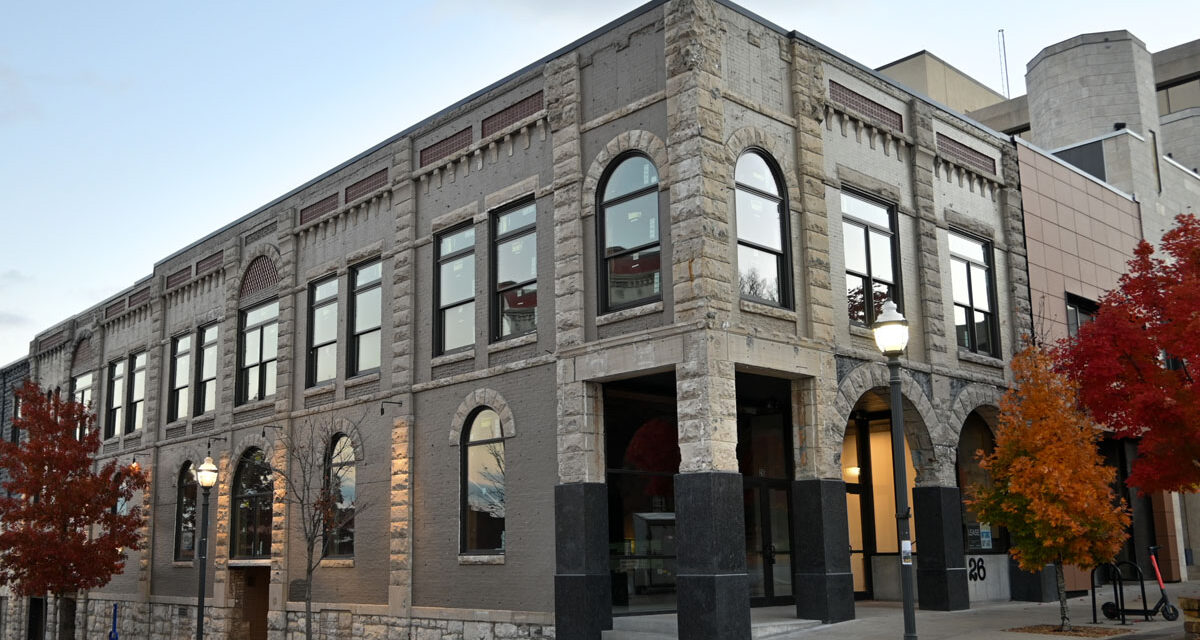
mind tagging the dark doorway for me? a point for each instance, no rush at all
(255, 601)
(642, 453)
(765, 461)
(66, 618)
(36, 629)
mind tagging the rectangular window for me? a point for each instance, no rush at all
(135, 415)
(514, 272)
(116, 398)
(869, 242)
(322, 331)
(14, 435)
(259, 350)
(83, 389)
(181, 369)
(206, 370)
(1080, 311)
(974, 298)
(82, 394)
(455, 290)
(366, 313)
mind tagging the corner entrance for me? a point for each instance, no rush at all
(765, 461)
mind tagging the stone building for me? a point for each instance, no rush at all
(691, 417)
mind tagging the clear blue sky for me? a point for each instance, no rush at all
(129, 129)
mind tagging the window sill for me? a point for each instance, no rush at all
(749, 306)
(249, 562)
(451, 358)
(134, 437)
(987, 361)
(184, 564)
(319, 390)
(363, 378)
(338, 563)
(627, 314)
(257, 404)
(512, 343)
(862, 332)
(471, 559)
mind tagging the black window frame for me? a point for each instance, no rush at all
(353, 357)
(257, 458)
(988, 263)
(497, 292)
(243, 394)
(602, 206)
(311, 362)
(183, 519)
(14, 435)
(439, 324)
(114, 410)
(206, 386)
(340, 543)
(1077, 307)
(134, 423)
(783, 257)
(464, 482)
(892, 231)
(174, 404)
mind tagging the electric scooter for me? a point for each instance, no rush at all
(1169, 612)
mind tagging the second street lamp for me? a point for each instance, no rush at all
(206, 477)
(891, 336)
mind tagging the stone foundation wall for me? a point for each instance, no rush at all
(178, 622)
(1191, 617)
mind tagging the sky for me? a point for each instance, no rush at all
(130, 129)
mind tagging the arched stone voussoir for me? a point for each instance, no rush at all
(479, 398)
(635, 140)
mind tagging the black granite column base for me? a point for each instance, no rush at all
(582, 584)
(711, 584)
(1032, 587)
(717, 606)
(580, 606)
(821, 577)
(941, 563)
(828, 597)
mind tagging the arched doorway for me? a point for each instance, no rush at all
(870, 497)
(985, 545)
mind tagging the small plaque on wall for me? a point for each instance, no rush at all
(296, 590)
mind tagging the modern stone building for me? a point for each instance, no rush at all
(594, 341)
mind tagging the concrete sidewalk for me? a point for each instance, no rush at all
(989, 621)
(983, 621)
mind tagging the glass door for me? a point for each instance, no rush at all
(768, 542)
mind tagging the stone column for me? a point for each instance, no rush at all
(823, 582)
(941, 562)
(582, 595)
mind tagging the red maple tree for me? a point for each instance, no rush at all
(62, 528)
(1133, 363)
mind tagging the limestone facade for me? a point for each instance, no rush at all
(689, 85)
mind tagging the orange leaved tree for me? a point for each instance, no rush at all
(1050, 486)
(62, 530)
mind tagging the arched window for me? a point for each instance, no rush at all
(253, 489)
(629, 234)
(340, 482)
(185, 514)
(483, 484)
(761, 232)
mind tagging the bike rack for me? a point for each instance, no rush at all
(1118, 582)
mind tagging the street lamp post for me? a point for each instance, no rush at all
(206, 477)
(891, 336)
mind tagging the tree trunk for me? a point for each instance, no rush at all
(1061, 583)
(308, 573)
